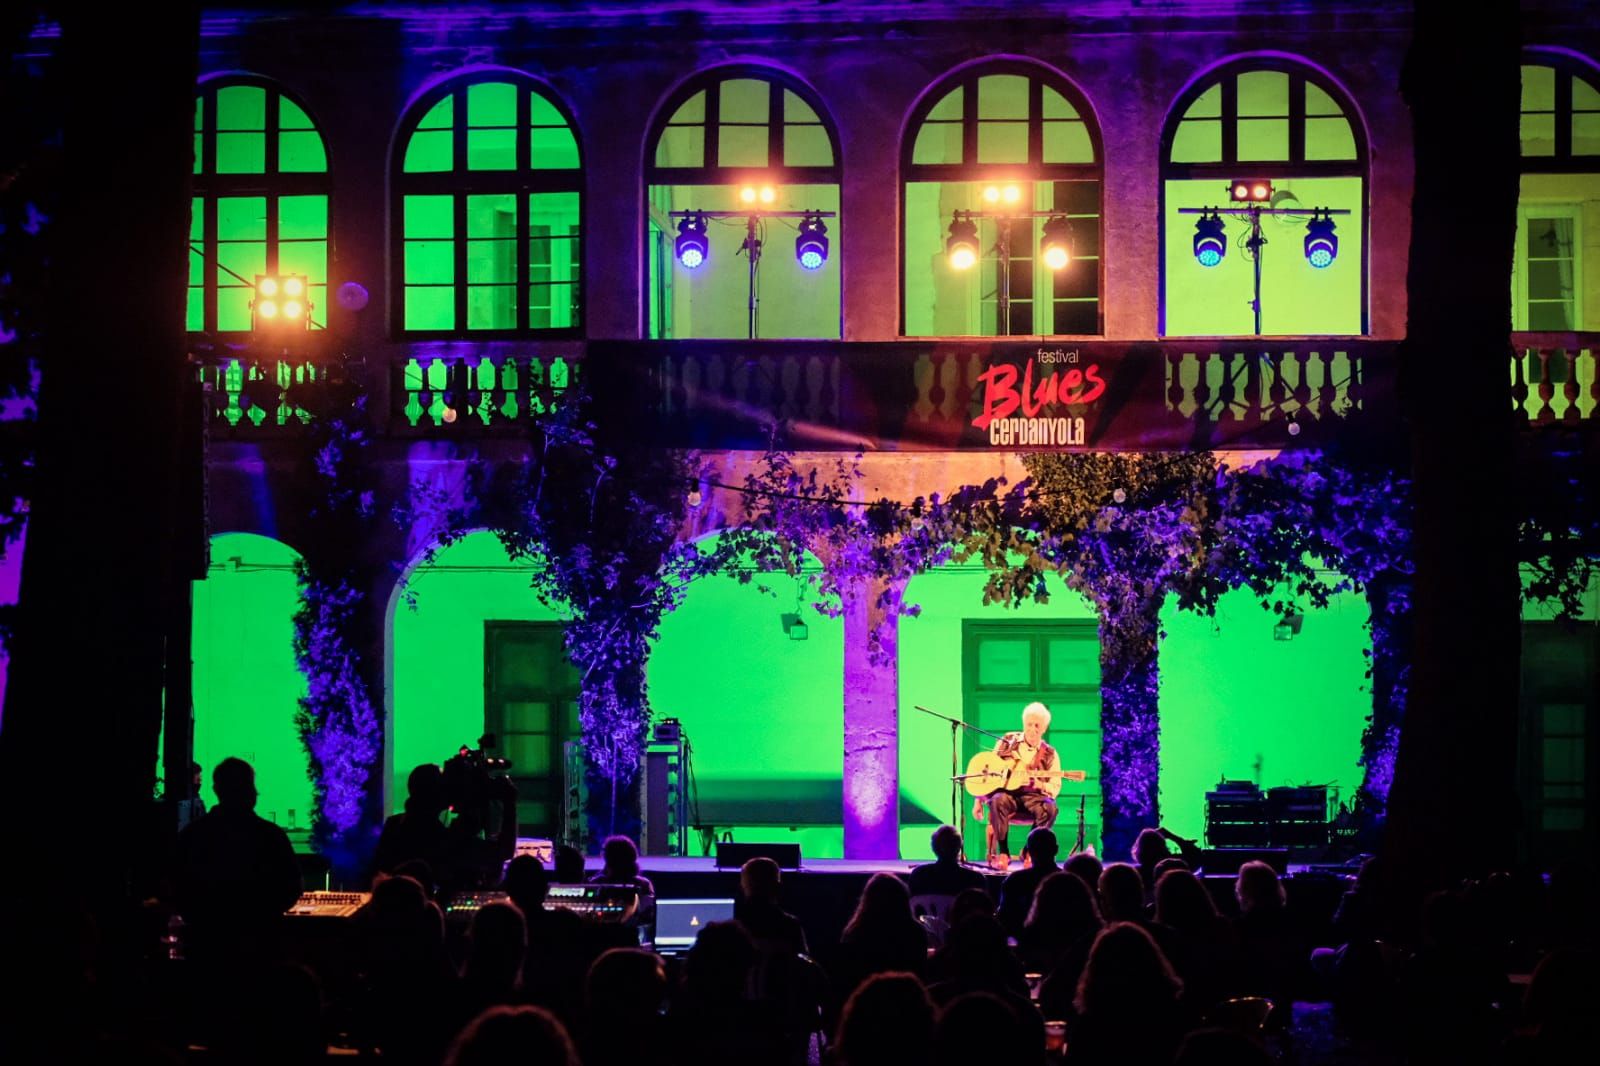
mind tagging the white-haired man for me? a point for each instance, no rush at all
(1028, 754)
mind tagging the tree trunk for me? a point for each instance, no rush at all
(871, 728)
(1452, 807)
(1130, 729)
(85, 698)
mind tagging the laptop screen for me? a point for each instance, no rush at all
(679, 921)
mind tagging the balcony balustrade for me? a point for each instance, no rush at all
(905, 395)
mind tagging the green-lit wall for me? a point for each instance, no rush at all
(930, 675)
(764, 713)
(1230, 693)
(437, 650)
(246, 685)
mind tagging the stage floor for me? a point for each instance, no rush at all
(698, 864)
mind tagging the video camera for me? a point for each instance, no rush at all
(469, 779)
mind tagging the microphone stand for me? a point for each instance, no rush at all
(956, 776)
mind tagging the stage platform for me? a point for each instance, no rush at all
(823, 892)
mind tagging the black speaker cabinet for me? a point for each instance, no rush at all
(787, 856)
(1228, 860)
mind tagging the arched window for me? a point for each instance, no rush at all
(1558, 209)
(740, 153)
(260, 201)
(1287, 125)
(487, 214)
(1002, 168)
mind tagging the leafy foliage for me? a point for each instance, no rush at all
(338, 718)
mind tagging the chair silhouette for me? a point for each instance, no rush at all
(933, 911)
(1242, 1014)
(980, 810)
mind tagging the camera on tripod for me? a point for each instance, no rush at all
(470, 778)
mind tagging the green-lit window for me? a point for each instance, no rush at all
(1558, 208)
(1010, 147)
(1287, 124)
(489, 194)
(260, 201)
(734, 127)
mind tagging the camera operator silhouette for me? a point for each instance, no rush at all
(462, 855)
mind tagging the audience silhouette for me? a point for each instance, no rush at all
(1121, 976)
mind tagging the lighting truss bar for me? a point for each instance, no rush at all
(754, 214)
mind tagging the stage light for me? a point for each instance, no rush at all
(962, 247)
(747, 195)
(695, 499)
(1011, 194)
(991, 194)
(811, 246)
(768, 194)
(1210, 240)
(280, 302)
(1251, 191)
(1322, 245)
(692, 246)
(1056, 246)
(1288, 627)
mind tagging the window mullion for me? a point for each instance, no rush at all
(774, 125)
(1563, 116)
(713, 119)
(1035, 122)
(1298, 88)
(458, 204)
(270, 136)
(458, 248)
(521, 214)
(969, 122)
(270, 256)
(213, 251)
(1230, 119)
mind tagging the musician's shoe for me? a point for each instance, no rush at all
(1001, 863)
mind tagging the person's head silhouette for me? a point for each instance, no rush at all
(234, 782)
(425, 790)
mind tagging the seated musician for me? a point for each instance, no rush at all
(1025, 751)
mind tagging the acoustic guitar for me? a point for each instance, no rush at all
(988, 772)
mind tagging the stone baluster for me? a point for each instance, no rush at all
(1547, 389)
(1570, 390)
(1301, 393)
(1201, 392)
(1519, 383)
(1226, 390)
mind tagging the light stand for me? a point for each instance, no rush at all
(956, 777)
(1002, 250)
(752, 242)
(1256, 241)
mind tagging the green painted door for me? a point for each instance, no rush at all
(530, 702)
(1006, 666)
(1559, 756)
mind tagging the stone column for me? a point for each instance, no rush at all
(871, 727)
